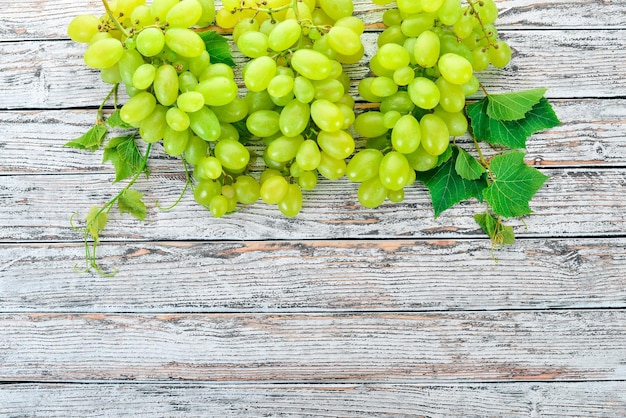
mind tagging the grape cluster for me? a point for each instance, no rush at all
(422, 73)
(297, 89)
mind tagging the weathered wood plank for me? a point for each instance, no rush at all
(589, 399)
(593, 133)
(500, 346)
(573, 202)
(320, 275)
(571, 64)
(48, 19)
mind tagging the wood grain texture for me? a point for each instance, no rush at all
(593, 133)
(31, 77)
(296, 276)
(503, 346)
(562, 400)
(574, 202)
(48, 19)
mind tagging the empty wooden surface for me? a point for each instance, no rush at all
(343, 311)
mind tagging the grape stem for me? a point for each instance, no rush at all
(471, 5)
(100, 112)
(115, 21)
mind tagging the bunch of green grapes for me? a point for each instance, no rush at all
(177, 95)
(297, 98)
(422, 73)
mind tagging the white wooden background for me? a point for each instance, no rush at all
(343, 311)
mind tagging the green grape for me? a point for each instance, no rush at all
(143, 77)
(137, 108)
(205, 191)
(177, 119)
(291, 204)
(449, 12)
(426, 49)
(331, 168)
(263, 123)
(456, 122)
(82, 28)
(500, 54)
(435, 134)
(391, 35)
(208, 13)
(329, 89)
(274, 189)
(284, 35)
(348, 115)
(244, 26)
(141, 17)
(283, 149)
(308, 180)
(480, 59)
(280, 85)
(218, 206)
(258, 100)
(403, 76)
(232, 154)
(295, 170)
(104, 53)
(393, 56)
(195, 150)
(487, 11)
(205, 124)
(452, 97)
(166, 85)
(464, 26)
(370, 124)
(392, 17)
(420, 160)
(383, 86)
(393, 171)
(294, 118)
(372, 193)
(303, 12)
(198, 64)
(311, 64)
(150, 41)
(344, 40)
(215, 70)
(258, 73)
(406, 135)
(208, 168)
(455, 69)
(338, 144)
(184, 14)
(111, 75)
(190, 101)
(378, 69)
(303, 89)
(247, 190)
(471, 86)
(152, 128)
(401, 102)
(217, 91)
(353, 23)
(159, 8)
(308, 155)
(424, 93)
(228, 132)
(414, 26)
(365, 90)
(184, 42)
(175, 142)
(391, 118)
(232, 112)
(187, 81)
(326, 115)
(336, 9)
(364, 165)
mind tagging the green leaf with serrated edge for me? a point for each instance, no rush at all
(115, 121)
(444, 157)
(486, 223)
(125, 156)
(513, 186)
(130, 202)
(447, 188)
(499, 233)
(96, 222)
(218, 48)
(90, 140)
(513, 106)
(507, 235)
(515, 133)
(467, 166)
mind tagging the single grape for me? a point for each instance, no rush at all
(184, 14)
(364, 165)
(372, 193)
(175, 142)
(247, 190)
(83, 27)
(393, 171)
(283, 149)
(205, 124)
(137, 108)
(258, 73)
(311, 64)
(424, 93)
(232, 154)
(406, 134)
(338, 144)
(291, 204)
(263, 123)
(284, 35)
(218, 90)
(104, 53)
(205, 191)
(455, 69)
(326, 115)
(150, 41)
(177, 119)
(166, 84)
(294, 118)
(184, 42)
(274, 189)
(435, 134)
(308, 155)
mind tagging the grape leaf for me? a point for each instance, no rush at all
(499, 233)
(130, 202)
(511, 134)
(115, 121)
(218, 48)
(513, 186)
(445, 156)
(513, 106)
(90, 140)
(447, 188)
(125, 156)
(467, 166)
(96, 221)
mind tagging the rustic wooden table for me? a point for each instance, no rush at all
(342, 311)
